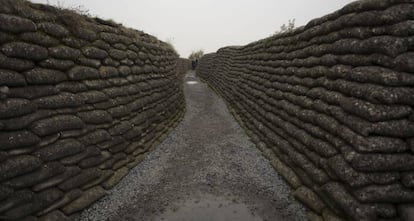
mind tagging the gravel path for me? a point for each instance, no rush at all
(206, 169)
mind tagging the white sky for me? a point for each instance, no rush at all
(206, 24)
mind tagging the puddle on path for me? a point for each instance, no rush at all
(192, 82)
(208, 208)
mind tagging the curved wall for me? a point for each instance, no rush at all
(331, 105)
(81, 102)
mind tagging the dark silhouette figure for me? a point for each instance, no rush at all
(194, 64)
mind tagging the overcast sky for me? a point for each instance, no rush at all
(206, 24)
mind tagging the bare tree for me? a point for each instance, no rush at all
(196, 55)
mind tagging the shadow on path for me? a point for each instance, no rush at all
(206, 169)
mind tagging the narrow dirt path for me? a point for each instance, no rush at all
(207, 169)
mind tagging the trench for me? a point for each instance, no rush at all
(206, 169)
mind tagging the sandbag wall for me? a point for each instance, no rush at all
(81, 102)
(183, 65)
(331, 105)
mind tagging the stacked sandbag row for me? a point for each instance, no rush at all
(81, 102)
(331, 105)
(183, 65)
